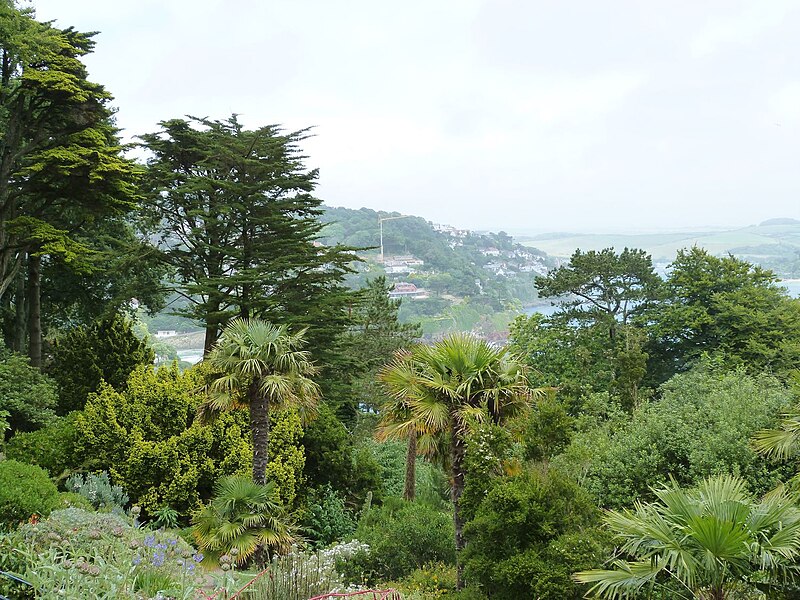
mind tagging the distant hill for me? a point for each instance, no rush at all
(454, 278)
(774, 244)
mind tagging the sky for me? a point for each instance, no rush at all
(523, 115)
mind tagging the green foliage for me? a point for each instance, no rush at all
(286, 455)
(402, 536)
(715, 540)
(261, 258)
(80, 554)
(603, 288)
(433, 580)
(529, 534)
(576, 360)
(148, 439)
(108, 350)
(390, 457)
(25, 490)
(333, 459)
(326, 519)
(26, 395)
(701, 426)
(373, 335)
(729, 306)
(97, 489)
(547, 429)
(165, 517)
(243, 516)
(63, 169)
(491, 453)
(52, 447)
(264, 368)
(73, 500)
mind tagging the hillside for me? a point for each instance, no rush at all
(774, 244)
(451, 278)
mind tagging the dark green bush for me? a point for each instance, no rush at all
(108, 350)
(530, 533)
(28, 396)
(326, 519)
(402, 537)
(702, 425)
(25, 490)
(52, 448)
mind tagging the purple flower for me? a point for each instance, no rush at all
(172, 542)
(158, 559)
(137, 559)
(198, 557)
(150, 541)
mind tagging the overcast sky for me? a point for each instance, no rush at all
(504, 114)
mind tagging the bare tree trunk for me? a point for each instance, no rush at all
(35, 310)
(20, 316)
(410, 488)
(457, 453)
(212, 332)
(259, 426)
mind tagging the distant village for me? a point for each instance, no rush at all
(502, 263)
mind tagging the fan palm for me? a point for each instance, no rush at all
(396, 421)
(262, 366)
(710, 541)
(440, 389)
(784, 441)
(243, 515)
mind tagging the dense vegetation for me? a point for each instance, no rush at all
(640, 442)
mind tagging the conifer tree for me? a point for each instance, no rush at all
(239, 224)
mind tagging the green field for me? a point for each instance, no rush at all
(759, 243)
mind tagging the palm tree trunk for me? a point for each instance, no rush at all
(410, 488)
(457, 452)
(259, 427)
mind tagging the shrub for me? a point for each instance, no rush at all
(402, 536)
(529, 534)
(80, 554)
(147, 438)
(28, 396)
(326, 519)
(701, 426)
(25, 490)
(332, 458)
(434, 580)
(52, 447)
(108, 350)
(97, 489)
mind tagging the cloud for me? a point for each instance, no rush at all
(755, 19)
(784, 105)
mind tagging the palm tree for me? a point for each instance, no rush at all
(783, 442)
(709, 541)
(396, 419)
(243, 516)
(440, 390)
(262, 366)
